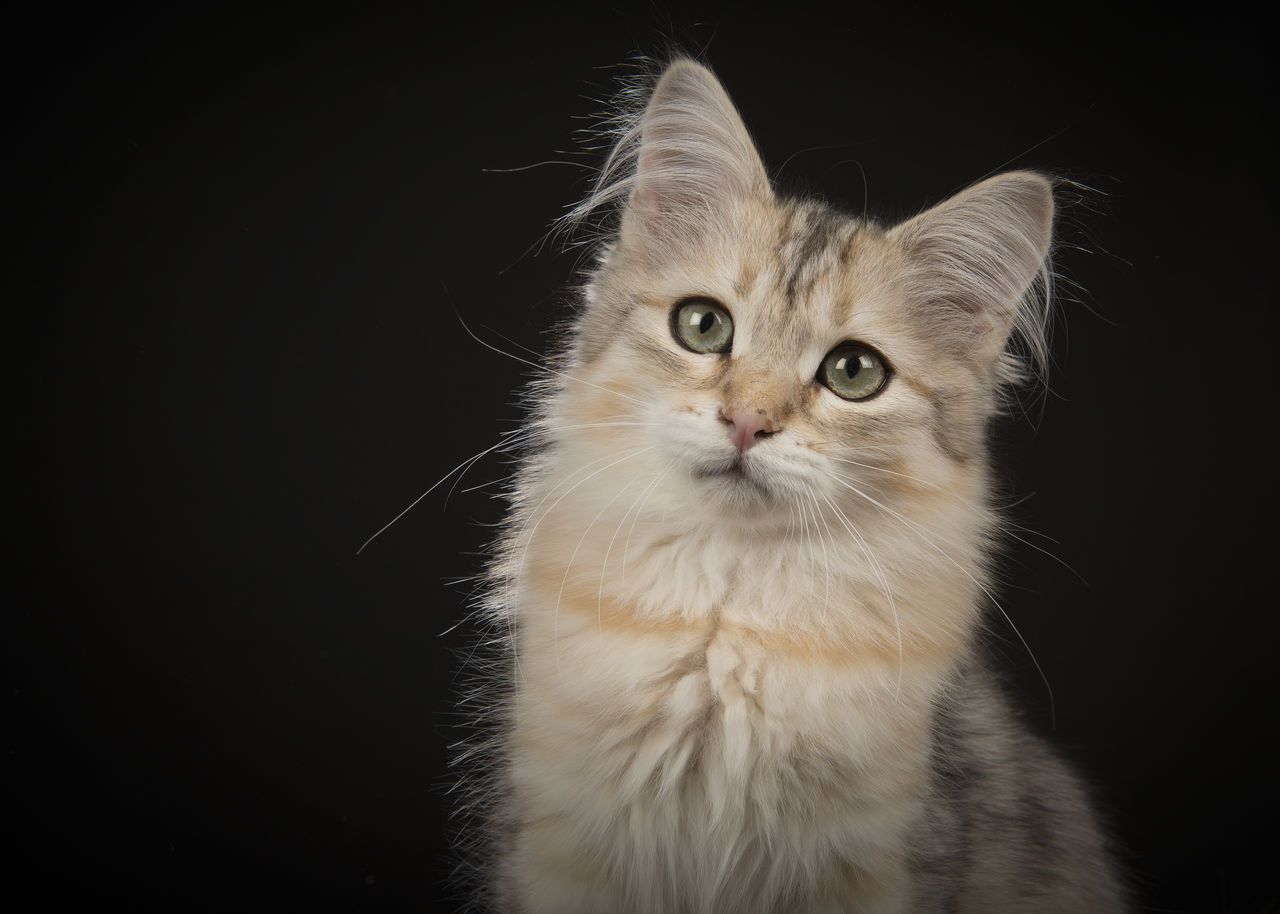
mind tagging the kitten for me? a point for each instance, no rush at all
(747, 559)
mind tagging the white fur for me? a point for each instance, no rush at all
(724, 686)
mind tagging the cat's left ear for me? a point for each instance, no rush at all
(974, 257)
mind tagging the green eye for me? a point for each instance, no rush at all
(853, 371)
(701, 325)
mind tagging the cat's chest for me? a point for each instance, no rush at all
(683, 701)
(665, 696)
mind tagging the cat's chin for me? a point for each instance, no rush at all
(736, 485)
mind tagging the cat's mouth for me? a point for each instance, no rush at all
(737, 474)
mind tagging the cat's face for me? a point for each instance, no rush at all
(762, 360)
(777, 368)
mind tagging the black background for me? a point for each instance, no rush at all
(237, 241)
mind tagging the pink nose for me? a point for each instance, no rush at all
(748, 426)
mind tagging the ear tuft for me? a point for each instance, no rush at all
(679, 164)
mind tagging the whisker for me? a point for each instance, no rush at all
(604, 564)
(532, 516)
(878, 570)
(1006, 525)
(582, 539)
(826, 560)
(528, 539)
(808, 541)
(924, 482)
(626, 546)
(911, 525)
(555, 371)
(524, 540)
(513, 436)
(508, 438)
(540, 429)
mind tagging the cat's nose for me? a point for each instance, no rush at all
(747, 426)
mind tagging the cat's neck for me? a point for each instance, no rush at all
(880, 578)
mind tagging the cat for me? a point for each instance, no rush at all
(748, 553)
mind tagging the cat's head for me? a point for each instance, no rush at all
(772, 355)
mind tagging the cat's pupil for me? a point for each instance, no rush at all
(707, 322)
(852, 366)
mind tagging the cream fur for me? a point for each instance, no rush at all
(725, 686)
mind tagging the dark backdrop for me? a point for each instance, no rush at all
(237, 239)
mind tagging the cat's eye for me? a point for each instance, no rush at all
(853, 371)
(701, 325)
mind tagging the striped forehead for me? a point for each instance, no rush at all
(798, 279)
(812, 242)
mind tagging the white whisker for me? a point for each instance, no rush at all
(626, 546)
(514, 436)
(528, 540)
(914, 527)
(878, 570)
(1006, 525)
(508, 438)
(826, 560)
(569, 565)
(545, 368)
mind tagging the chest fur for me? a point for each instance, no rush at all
(713, 715)
(709, 759)
(727, 754)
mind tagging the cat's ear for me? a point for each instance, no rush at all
(694, 162)
(973, 259)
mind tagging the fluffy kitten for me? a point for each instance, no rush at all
(748, 556)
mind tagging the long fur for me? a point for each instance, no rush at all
(747, 680)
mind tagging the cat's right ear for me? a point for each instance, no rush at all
(695, 162)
